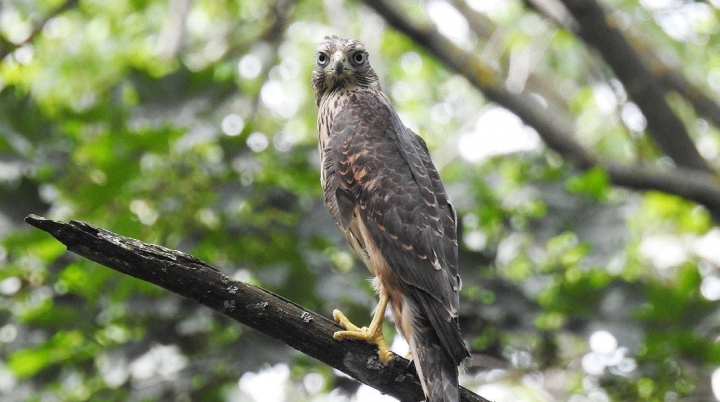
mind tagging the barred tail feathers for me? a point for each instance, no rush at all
(437, 372)
(436, 369)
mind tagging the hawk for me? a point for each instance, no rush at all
(386, 196)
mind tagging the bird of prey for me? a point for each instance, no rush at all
(385, 195)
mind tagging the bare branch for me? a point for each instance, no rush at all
(671, 78)
(665, 128)
(690, 184)
(9, 47)
(556, 131)
(487, 31)
(302, 329)
(489, 82)
(674, 80)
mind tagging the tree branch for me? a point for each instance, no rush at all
(484, 77)
(693, 185)
(665, 128)
(8, 47)
(495, 41)
(674, 80)
(304, 330)
(671, 78)
(555, 130)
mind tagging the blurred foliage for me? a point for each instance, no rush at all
(192, 124)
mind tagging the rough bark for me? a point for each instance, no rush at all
(290, 323)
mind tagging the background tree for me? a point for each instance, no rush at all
(579, 141)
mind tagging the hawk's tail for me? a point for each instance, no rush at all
(437, 371)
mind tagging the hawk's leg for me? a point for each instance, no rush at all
(372, 334)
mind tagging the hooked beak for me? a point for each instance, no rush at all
(338, 62)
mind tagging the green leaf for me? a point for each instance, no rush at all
(594, 183)
(63, 346)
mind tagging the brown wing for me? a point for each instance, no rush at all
(448, 217)
(385, 169)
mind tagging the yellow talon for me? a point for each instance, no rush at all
(373, 334)
(340, 318)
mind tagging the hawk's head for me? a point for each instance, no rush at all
(341, 64)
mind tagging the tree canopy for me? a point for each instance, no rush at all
(578, 141)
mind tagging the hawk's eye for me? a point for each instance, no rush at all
(322, 58)
(358, 58)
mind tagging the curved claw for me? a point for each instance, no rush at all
(411, 366)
